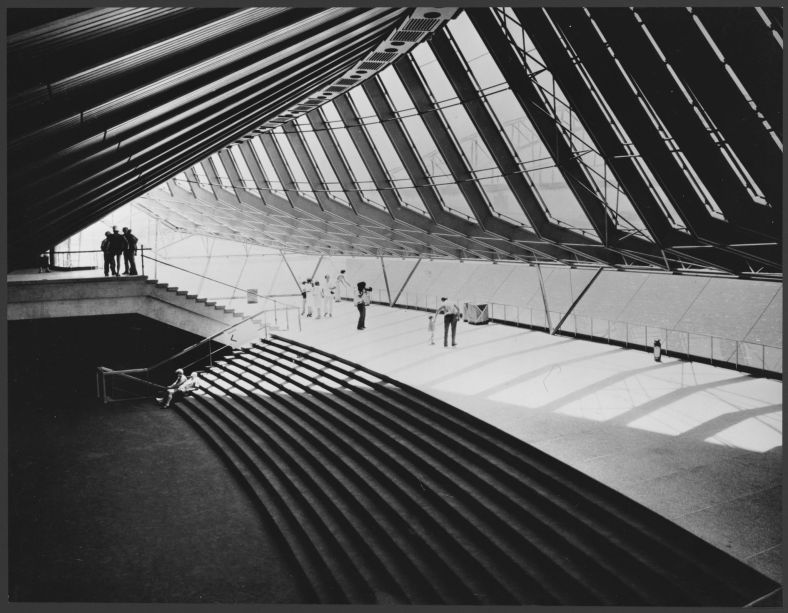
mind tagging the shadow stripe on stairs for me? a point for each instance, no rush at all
(336, 503)
(326, 539)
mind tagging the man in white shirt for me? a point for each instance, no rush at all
(451, 313)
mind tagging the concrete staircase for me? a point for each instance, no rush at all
(84, 297)
(381, 493)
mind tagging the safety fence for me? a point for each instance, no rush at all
(752, 357)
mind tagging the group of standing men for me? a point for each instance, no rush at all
(116, 244)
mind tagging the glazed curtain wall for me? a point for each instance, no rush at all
(512, 135)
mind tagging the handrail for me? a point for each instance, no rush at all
(240, 289)
(122, 374)
(100, 251)
(213, 336)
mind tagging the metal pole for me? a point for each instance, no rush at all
(386, 279)
(576, 301)
(142, 258)
(298, 285)
(415, 266)
(544, 299)
(314, 272)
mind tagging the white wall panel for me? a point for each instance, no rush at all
(728, 307)
(663, 299)
(769, 327)
(520, 288)
(563, 285)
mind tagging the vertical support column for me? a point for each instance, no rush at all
(544, 299)
(406, 282)
(385, 278)
(576, 301)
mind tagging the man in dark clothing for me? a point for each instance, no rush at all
(362, 308)
(129, 252)
(109, 262)
(451, 313)
(117, 245)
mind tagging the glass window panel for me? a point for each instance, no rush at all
(293, 165)
(398, 95)
(531, 153)
(559, 199)
(506, 107)
(473, 49)
(432, 161)
(224, 178)
(182, 182)
(386, 151)
(434, 78)
(321, 162)
(352, 157)
(247, 179)
(202, 177)
(274, 184)
(453, 198)
(476, 153)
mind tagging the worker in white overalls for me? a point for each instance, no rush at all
(329, 292)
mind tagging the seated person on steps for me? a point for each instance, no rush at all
(182, 384)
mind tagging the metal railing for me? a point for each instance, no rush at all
(756, 358)
(277, 304)
(87, 259)
(136, 383)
